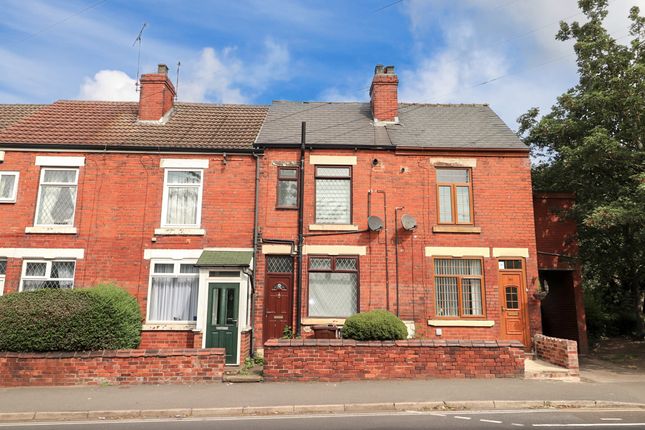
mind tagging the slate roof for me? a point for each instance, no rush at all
(9, 114)
(451, 126)
(114, 124)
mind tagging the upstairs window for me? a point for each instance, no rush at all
(57, 197)
(173, 292)
(8, 186)
(182, 198)
(458, 287)
(333, 195)
(454, 196)
(39, 274)
(287, 188)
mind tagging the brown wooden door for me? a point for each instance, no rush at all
(512, 301)
(277, 313)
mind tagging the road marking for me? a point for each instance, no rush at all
(438, 415)
(591, 425)
(490, 421)
(517, 425)
(459, 417)
(611, 419)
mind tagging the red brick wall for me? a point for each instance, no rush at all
(118, 207)
(112, 367)
(167, 339)
(349, 360)
(502, 209)
(561, 352)
(384, 97)
(245, 345)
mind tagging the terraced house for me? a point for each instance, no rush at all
(235, 224)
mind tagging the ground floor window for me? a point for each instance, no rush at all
(458, 287)
(173, 291)
(38, 274)
(333, 286)
(3, 271)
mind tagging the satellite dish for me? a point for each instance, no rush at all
(408, 222)
(374, 223)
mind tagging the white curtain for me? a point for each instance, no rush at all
(173, 298)
(182, 206)
(7, 183)
(56, 206)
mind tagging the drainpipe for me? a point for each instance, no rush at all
(301, 202)
(396, 255)
(387, 269)
(255, 248)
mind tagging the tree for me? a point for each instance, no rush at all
(591, 143)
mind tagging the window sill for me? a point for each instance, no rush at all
(7, 201)
(333, 227)
(168, 327)
(42, 229)
(456, 229)
(179, 231)
(322, 320)
(460, 323)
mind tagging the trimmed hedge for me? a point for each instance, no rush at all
(84, 319)
(374, 325)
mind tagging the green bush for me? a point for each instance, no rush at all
(84, 319)
(374, 325)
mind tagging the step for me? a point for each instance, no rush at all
(236, 379)
(539, 369)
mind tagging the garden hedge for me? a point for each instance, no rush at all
(84, 319)
(374, 325)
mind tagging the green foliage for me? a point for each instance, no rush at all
(287, 332)
(374, 325)
(592, 143)
(84, 319)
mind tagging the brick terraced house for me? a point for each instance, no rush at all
(155, 196)
(232, 224)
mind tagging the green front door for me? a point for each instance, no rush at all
(221, 331)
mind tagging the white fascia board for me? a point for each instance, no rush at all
(48, 161)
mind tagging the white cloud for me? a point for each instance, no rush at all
(109, 85)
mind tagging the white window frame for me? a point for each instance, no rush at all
(3, 275)
(176, 272)
(48, 271)
(66, 184)
(164, 203)
(14, 195)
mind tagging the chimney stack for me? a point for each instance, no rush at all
(156, 95)
(383, 94)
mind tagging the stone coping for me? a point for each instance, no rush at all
(118, 353)
(397, 343)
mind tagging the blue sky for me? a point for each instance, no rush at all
(255, 51)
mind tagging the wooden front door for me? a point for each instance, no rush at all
(221, 332)
(513, 302)
(278, 287)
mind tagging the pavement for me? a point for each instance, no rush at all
(598, 388)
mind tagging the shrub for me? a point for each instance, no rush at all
(103, 317)
(374, 325)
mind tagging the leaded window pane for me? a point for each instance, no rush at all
(59, 176)
(316, 263)
(62, 270)
(452, 175)
(346, 264)
(3, 267)
(463, 204)
(56, 205)
(36, 269)
(333, 294)
(279, 264)
(38, 284)
(333, 201)
(445, 204)
(334, 172)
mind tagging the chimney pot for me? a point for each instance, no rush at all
(378, 69)
(162, 69)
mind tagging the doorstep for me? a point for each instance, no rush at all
(539, 369)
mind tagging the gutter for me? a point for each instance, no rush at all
(126, 148)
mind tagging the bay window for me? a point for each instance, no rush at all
(333, 286)
(173, 291)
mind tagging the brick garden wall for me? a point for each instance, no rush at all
(113, 367)
(349, 360)
(561, 352)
